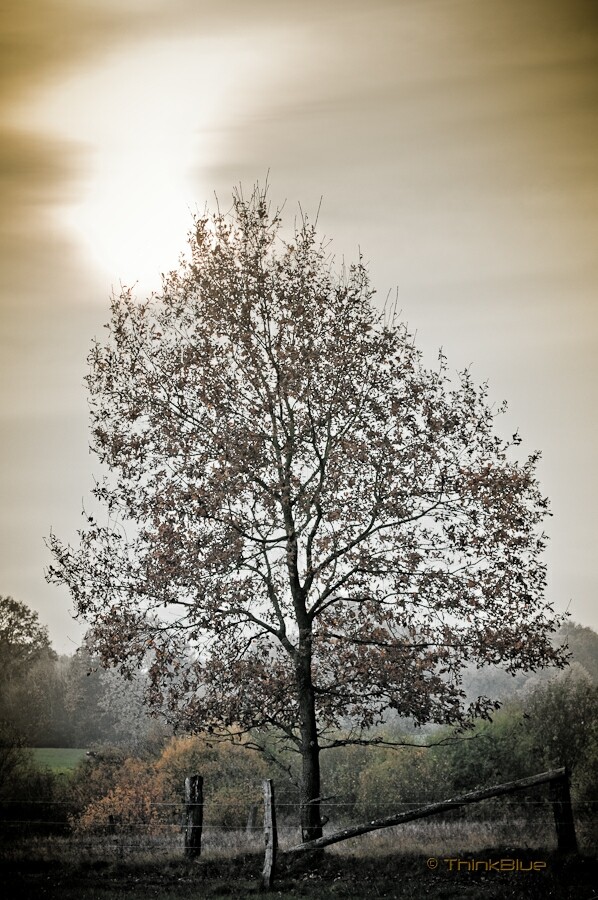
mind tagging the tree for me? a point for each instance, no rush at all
(27, 663)
(582, 643)
(306, 527)
(564, 718)
(103, 707)
(122, 702)
(23, 641)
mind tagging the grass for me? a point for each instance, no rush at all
(390, 864)
(59, 760)
(395, 876)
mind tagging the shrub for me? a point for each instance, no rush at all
(232, 776)
(133, 802)
(400, 779)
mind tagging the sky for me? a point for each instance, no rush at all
(453, 142)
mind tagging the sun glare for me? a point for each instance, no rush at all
(148, 122)
(132, 220)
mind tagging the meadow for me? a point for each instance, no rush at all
(107, 824)
(436, 861)
(59, 760)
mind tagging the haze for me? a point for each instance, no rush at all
(453, 142)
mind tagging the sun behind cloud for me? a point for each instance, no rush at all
(148, 120)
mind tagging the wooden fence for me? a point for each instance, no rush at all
(560, 798)
(193, 821)
(559, 795)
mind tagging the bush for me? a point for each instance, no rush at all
(94, 778)
(134, 802)
(563, 721)
(495, 751)
(232, 776)
(27, 794)
(135, 793)
(401, 779)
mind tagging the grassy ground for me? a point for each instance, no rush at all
(58, 759)
(450, 859)
(62, 870)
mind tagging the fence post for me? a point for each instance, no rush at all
(270, 835)
(560, 797)
(193, 815)
(251, 819)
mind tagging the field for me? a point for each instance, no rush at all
(490, 853)
(57, 759)
(442, 861)
(408, 877)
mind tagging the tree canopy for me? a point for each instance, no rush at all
(26, 669)
(306, 527)
(23, 640)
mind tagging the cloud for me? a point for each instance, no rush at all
(40, 38)
(453, 140)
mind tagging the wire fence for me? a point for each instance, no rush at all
(525, 822)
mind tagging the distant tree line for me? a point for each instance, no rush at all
(550, 724)
(51, 700)
(47, 700)
(138, 767)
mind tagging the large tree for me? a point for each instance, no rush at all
(306, 528)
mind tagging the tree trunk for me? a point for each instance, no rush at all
(310, 748)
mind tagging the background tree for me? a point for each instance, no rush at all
(582, 643)
(564, 723)
(105, 708)
(91, 722)
(131, 725)
(306, 527)
(23, 641)
(564, 718)
(27, 671)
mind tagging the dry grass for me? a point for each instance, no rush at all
(390, 863)
(313, 877)
(446, 838)
(431, 838)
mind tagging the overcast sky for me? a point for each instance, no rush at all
(453, 141)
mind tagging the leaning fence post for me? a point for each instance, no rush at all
(560, 797)
(193, 815)
(270, 834)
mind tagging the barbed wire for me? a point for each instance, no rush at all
(297, 805)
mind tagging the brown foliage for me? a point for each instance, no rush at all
(133, 803)
(148, 795)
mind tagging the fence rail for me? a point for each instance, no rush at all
(192, 825)
(561, 801)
